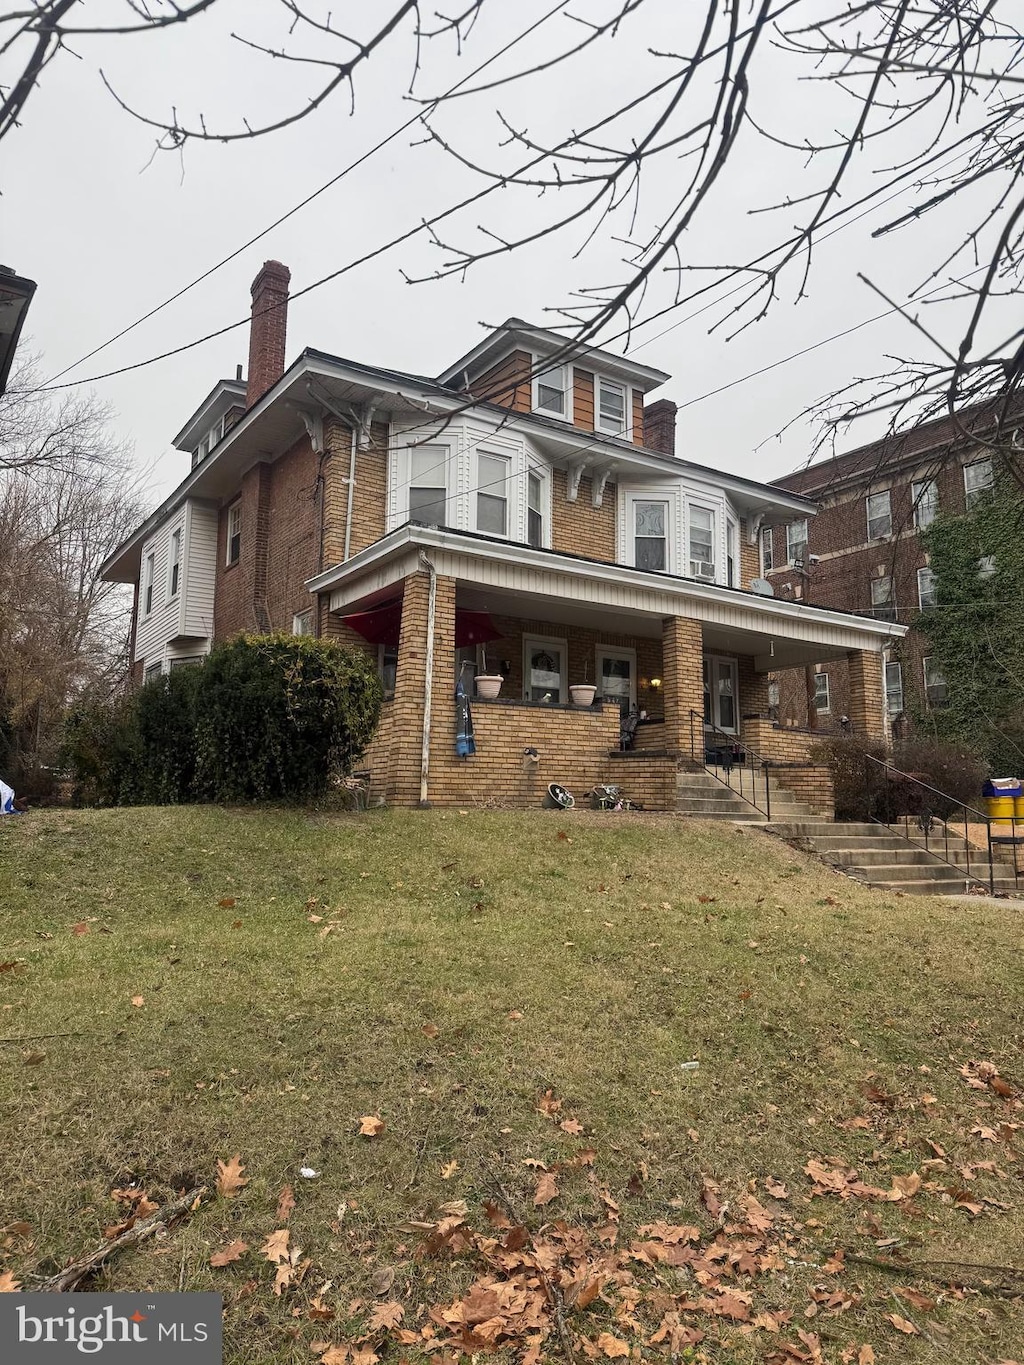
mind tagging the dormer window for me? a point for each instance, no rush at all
(550, 392)
(611, 407)
(208, 442)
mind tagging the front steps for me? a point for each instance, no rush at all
(703, 796)
(879, 857)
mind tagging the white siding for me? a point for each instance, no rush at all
(200, 570)
(183, 624)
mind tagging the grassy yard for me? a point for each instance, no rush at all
(513, 996)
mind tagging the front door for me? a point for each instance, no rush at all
(616, 678)
(721, 693)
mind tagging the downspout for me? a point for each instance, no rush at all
(351, 493)
(428, 680)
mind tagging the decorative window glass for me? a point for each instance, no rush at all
(767, 548)
(428, 489)
(147, 584)
(551, 391)
(649, 529)
(701, 522)
(174, 565)
(926, 593)
(611, 406)
(893, 688)
(492, 495)
(822, 703)
(796, 542)
(925, 498)
(302, 623)
(234, 533)
(879, 506)
(883, 605)
(934, 684)
(977, 482)
(534, 510)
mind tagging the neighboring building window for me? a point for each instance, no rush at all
(926, 592)
(185, 661)
(767, 547)
(934, 684)
(702, 543)
(147, 584)
(925, 497)
(534, 510)
(302, 623)
(611, 406)
(174, 565)
(796, 542)
(428, 486)
(234, 533)
(492, 495)
(650, 542)
(153, 671)
(879, 507)
(893, 688)
(387, 668)
(977, 482)
(883, 605)
(550, 391)
(987, 566)
(822, 701)
(731, 549)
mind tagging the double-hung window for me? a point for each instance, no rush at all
(428, 484)
(893, 687)
(534, 510)
(926, 591)
(731, 552)
(796, 542)
(934, 684)
(879, 509)
(550, 395)
(650, 523)
(611, 407)
(234, 549)
(302, 622)
(492, 494)
(986, 567)
(767, 548)
(701, 523)
(925, 498)
(174, 565)
(822, 700)
(883, 604)
(148, 574)
(977, 482)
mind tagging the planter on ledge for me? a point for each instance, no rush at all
(582, 693)
(488, 685)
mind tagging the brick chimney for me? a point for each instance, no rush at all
(660, 426)
(268, 329)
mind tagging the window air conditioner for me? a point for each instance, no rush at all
(701, 568)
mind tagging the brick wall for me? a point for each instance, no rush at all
(242, 586)
(648, 780)
(750, 558)
(810, 784)
(658, 425)
(580, 528)
(682, 679)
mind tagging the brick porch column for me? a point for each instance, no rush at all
(683, 678)
(407, 710)
(867, 702)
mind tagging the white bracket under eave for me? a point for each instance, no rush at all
(754, 525)
(599, 482)
(366, 422)
(573, 475)
(314, 424)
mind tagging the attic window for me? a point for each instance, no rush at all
(208, 442)
(611, 407)
(550, 391)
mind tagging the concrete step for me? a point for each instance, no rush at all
(866, 854)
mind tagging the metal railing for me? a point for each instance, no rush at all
(922, 814)
(732, 761)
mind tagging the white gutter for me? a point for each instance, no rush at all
(428, 681)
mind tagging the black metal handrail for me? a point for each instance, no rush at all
(731, 755)
(928, 807)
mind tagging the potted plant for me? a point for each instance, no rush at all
(488, 685)
(583, 693)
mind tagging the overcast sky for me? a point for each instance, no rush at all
(109, 230)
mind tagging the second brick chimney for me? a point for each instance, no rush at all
(660, 426)
(268, 329)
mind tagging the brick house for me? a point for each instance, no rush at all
(862, 553)
(524, 513)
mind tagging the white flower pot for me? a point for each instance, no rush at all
(582, 694)
(488, 685)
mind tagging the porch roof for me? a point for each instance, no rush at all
(499, 576)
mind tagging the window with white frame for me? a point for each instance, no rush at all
(650, 534)
(767, 550)
(234, 546)
(185, 661)
(796, 542)
(492, 494)
(822, 699)
(701, 533)
(934, 684)
(893, 687)
(879, 510)
(611, 406)
(986, 566)
(926, 591)
(883, 604)
(978, 480)
(387, 669)
(549, 394)
(731, 551)
(544, 670)
(174, 564)
(925, 498)
(428, 484)
(153, 671)
(534, 510)
(148, 575)
(302, 622)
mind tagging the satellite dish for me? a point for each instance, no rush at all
(762, 587)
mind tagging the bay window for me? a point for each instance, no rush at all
(701, 528)
(428, 486)
(492, 494)
(650, 523)
(534, 510)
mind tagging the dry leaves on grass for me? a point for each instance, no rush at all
(547, 1189)
(285, 1204)
(8, 1284)
(229, 1176)
(370, 1126)
(902, 1325)
(384, 1316)
(548, 1105)
(234, 1251)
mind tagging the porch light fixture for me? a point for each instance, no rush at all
(655, 682)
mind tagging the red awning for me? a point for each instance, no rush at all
(382, 625)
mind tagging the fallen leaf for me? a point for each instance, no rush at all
(230, 1178)
(8, 1284)
(917, 1300)
(866, 1355)
(33, 1058)
(385, 1315)
(515, 1015)
(336, 1355)
(571, 1126)
(11, 966)
(285, 1204)
(138, 1001)
(430, 1030)
(612, 1346)
(548, 1105)
(449, 1170)
(1002, 1087)
(776, 1189)
(234, 1251)
(236, 924)
(902, 1325)
(546, 1190)
(226, 902)
(275, 1248)
(370, 1126)
(381, 1280)
(80, 928)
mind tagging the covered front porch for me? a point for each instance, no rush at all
(687, 663)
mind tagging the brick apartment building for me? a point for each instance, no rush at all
(524, 514)
(862, 553)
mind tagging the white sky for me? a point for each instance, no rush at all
(109, 231)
